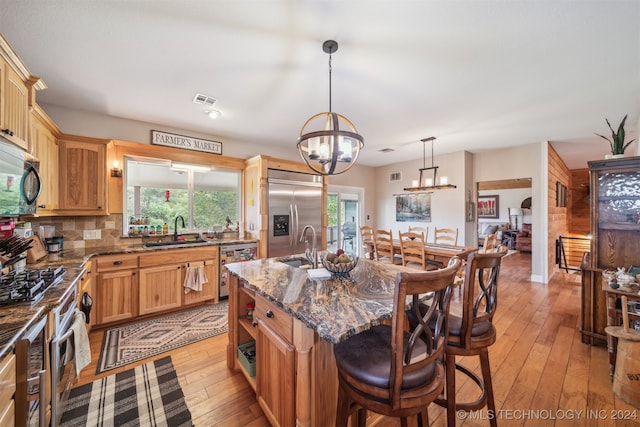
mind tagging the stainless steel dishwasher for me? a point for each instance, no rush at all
(233, 253)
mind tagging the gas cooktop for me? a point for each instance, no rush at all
(28, 285)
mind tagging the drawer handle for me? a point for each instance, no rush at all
(42, 206)
(117, 262)
(270, 314)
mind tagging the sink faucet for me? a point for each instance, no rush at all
(175, 226)
(312, 255)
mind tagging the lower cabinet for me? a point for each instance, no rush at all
(7, 390)
(116, 288)
(117, 291)
(210, 289)
(160, 288)
(275, 363)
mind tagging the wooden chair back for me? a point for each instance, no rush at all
(480, 297)
(383, 245)
(412, 250)
(366, 237)
(423, 230)
(490, 242)
(445, 236)
(410, 354)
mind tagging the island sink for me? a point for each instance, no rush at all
(299, 262)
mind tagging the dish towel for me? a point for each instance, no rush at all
(81, 339)
(194, 279)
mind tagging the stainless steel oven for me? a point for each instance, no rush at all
(63, 368)
(31, 377)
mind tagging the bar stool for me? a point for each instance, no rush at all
(391, 370)
(473, 332)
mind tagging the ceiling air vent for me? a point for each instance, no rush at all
(203, 99)
(395, 176)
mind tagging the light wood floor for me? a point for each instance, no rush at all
(541, 370)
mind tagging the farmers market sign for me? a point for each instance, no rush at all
(185, 142)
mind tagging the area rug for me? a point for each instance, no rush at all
(138, 341)
(148, 395)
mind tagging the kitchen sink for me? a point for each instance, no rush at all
(299, 262)
(176, 243)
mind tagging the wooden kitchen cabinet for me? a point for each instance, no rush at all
(275, 363)
(14, 103)
(162, 276)
(160, 288)
(44, 147)
(83, 175)
(116, 288)
(7, 390)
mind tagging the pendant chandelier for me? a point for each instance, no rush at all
(429, 183)
(324, 146)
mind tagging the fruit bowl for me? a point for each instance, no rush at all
(339, 265)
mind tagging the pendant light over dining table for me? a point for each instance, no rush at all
(429, 184)
(324, 146)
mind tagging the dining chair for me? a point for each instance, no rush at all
(383, 246)
(490, 242)
(412, 250)
(366, 237)
(423, 230)
(472, 332)
(445, 236)
(393, 369)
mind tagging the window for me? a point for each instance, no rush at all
(157, 191)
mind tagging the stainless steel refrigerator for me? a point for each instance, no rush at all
(295, 200)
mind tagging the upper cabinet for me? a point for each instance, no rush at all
(83, 176)
(17, 94)
(615, 212)
(44, 146)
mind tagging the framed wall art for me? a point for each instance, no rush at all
(413, 207)
(488, 206)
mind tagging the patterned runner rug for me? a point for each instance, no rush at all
(148, 395)
(131, 343)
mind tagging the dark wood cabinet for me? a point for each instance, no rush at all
(615, 231)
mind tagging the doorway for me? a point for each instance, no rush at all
(343, 212)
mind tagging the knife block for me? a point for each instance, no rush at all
(37, 252)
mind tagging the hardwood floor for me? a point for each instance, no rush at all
(543, 375)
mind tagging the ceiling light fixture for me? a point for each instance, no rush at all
(429, 183)
(213, 114)
(329, 150)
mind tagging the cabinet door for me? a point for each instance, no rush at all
(275, 376)
(116, 296)
(160, 288)
(82, 176)
(45, 149)
(209, 289)
(14, 102)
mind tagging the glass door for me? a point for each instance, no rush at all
(343, 211)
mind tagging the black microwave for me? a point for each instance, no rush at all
(20, 182)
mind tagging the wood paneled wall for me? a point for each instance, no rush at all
(579, 202)
(558, 216)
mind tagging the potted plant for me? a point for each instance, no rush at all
(617, 140)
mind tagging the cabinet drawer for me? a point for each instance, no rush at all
(116, 262)
(178, 256)
(273, 316)
(7, 378)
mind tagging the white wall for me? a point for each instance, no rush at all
(526, 161)
(447, 206)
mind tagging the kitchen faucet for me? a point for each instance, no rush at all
(312, 255)
(175, 226)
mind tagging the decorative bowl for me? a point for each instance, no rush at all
(341, 268)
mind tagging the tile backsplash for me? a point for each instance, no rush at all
(72, 230)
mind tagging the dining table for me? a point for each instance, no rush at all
(433, 252)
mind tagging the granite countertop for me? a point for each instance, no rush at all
(15, 320)
(335, 308)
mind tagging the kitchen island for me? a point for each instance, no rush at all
(295, 324)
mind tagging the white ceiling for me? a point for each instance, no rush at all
(475, 74)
